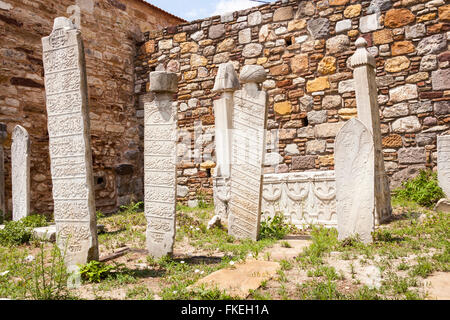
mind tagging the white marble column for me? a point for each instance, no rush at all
(364, 74)
(3, 135)
(160, 144)
(226, 83)
(20, 173)
(70, 143)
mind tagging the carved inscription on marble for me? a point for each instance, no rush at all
(355, 174)
(444, 164)
(305, 198)
(70, 150)
(248, 141)
(20, 173)
(160, 137)
(3, 135)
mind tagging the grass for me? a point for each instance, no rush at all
(406, 251)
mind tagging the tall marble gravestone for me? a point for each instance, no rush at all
(443, 163)
(160, 143)
(3, 135)
(355, 174)
(248, 150)
(226, 83)
(20, 173)
(70, 143)
(364, 74)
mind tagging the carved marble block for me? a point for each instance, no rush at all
(304, 198)
(160, 154)
(70, 143)
(443, 146)
(20, 173)
(226, 83)
(366, 93)
(3, 135)
(248, 149)
(355, 174)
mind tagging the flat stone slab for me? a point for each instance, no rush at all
(49, 233)
(439, 286)
(244, 277)
(278, 252)
(45, 233)
(249, 275)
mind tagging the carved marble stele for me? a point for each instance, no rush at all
(248, 149)
(3, 135)
(304, 198)
(20, 173)
(160, 139)
(443, 163)
(364, 74)
(355, 174)
(70, 143)
(226, 83)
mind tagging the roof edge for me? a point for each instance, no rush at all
(163, 11)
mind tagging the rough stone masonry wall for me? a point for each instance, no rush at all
(305, 48)
(110, 30)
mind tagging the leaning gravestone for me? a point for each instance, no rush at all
(248, 149)
(355, 188)
(160, 139)
(364, 74)
(20, 173)
(3, 135)
(443, 163)
(70, 143)
(227, 83)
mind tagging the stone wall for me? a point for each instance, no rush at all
(110, 30)
(305, 49)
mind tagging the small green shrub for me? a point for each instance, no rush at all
(424, 189)
(95, 271)
(274, 227)
(34, 221)
(19, 232)
(202, 199)
(14, 233)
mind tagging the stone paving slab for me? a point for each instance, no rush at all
(438, 285)
(278, 252)
(244, 277)
(237, 281)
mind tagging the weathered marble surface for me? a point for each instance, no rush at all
(226, 83)
(20, 173)
(305, 198)
(160, 187)
(248, 149)
(368, 113)
(3, 135)
(70, 143)
(355, 174)
(443, 145)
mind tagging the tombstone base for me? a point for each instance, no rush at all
(443, 206)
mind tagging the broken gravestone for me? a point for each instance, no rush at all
(355, 174)
(248, 149)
